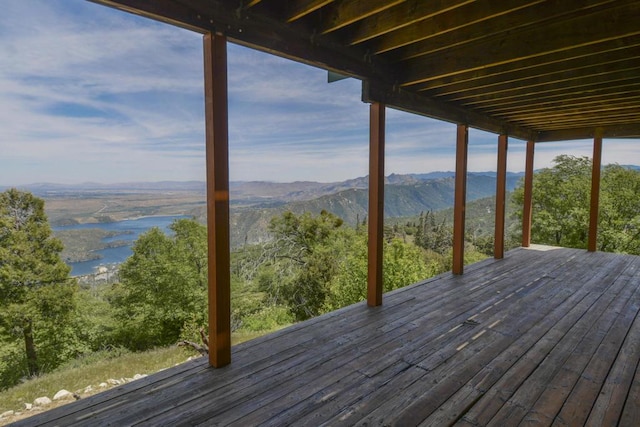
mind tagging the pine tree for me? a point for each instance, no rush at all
(35, 287)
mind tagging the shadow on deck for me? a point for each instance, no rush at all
(545, 336)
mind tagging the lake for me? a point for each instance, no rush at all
(128, 230)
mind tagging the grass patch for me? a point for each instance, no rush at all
(92, 370)
(97, 368)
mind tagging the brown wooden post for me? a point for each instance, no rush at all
(217, 161)
(528, 196)
(501, 189)
(595, 192)
(459, 204)
(376, 203)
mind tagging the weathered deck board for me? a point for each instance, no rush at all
(544, 337)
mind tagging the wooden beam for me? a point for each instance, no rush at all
(376, 203)
(622, 98)
(608, 50)
(607, 116)
(546, 87)
(528, 195)
(403, 15)
(217, 161)
(373, 91)
(629, 130)
(571, 77)
(452, 18)
(608, 55)
(459, 204)
(347, 12)
(501, 190)
(297, 9)
(262, 32)
(595, 192)
(170, 12)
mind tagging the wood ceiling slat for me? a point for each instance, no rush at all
(599, 64)
(596, 122)
(552, 63)
(346, 12)
(449, 21)
(586, 102)
(627, 130)
(623, 80)
(592, 93)
(251, 3)
(613, 114)
(535, 14)
(403, 15)
(541, 86)
(603, 111)
(581, 31)
(297, 9)
(559, 108)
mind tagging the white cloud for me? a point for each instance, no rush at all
(88, 93)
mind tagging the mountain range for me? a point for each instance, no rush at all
(255, 203)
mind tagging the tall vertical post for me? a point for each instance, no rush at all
(595, 192)
(460, 198)
(528, 196)
(376, 203)
(501, 189)
(217, 162)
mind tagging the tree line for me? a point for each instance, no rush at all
(312, 264)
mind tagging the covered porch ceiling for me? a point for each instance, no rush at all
(540, 70)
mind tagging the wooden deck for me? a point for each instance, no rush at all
(542, 337)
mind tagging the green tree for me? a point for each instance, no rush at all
(433, 235)
(619, 215)
(304, 258)
(36, 292)
(561, 197)
(163, 285)
(403, 264)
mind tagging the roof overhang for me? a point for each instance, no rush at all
(537, 70)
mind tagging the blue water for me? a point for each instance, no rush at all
(130, 229)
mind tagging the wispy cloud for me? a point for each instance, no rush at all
(88, 93)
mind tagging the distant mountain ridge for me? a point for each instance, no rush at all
(404, 196)
(257, 190)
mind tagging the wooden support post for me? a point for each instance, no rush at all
(528, 196)
(459, 204)
(501, 189)
(217, 161)
(376, 203)
(595, 192)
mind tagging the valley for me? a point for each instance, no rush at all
(252, 205)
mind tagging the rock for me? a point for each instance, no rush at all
(28, 406)
(62, 394)
(139, 376)
(113, 382)
(103, 385)
(42, 401)
(7, 414)
(88, 389)
(128, 379)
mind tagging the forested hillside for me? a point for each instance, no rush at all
(405, 196)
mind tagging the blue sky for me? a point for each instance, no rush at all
(88, 93)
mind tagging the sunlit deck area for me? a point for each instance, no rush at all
(546, 336)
